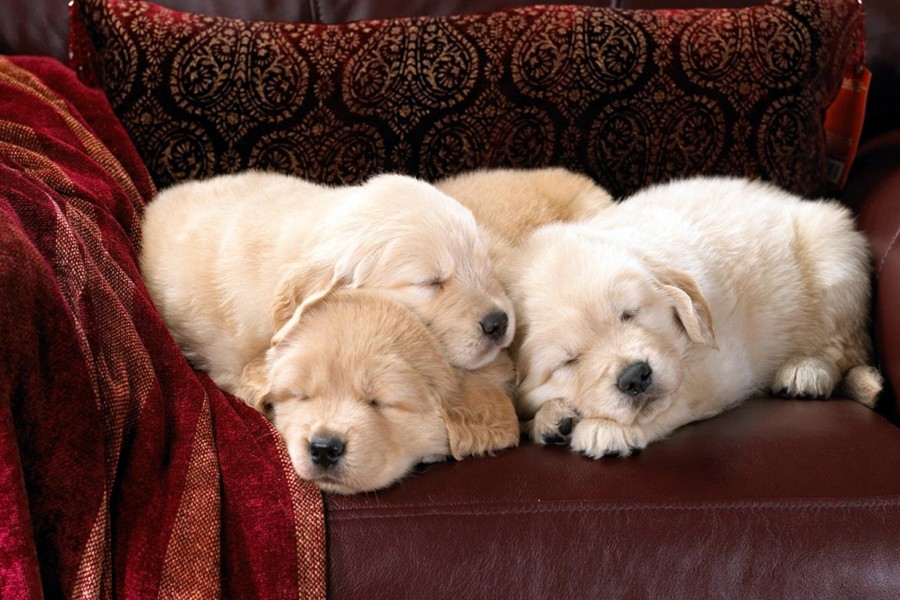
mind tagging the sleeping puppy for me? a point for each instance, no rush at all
(680, 302)
(360, 391)
(217, 252)
(511, 203)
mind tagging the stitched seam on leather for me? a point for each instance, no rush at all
(888, 251)
(413, 514)
(565, 506)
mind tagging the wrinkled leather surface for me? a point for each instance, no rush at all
(34, 27)
(342, 11)
(883, 59)
(776, 499)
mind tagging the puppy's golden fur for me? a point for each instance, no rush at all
(362, 369)
(682, 301)
(218, 254)
(511, 203)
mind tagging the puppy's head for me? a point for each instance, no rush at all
(415, 244)
(601, 327)
(360, 392)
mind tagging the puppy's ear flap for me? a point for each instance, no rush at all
(303, 285)
(480, 417)
(299, 289)
(690, 305)
(253, 386)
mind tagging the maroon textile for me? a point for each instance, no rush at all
(629, 97)
(122, 472)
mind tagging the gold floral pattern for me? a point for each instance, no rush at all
(239, 72)
(565, 56)
(629, 97)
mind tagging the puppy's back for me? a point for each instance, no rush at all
(740, 225)
(513, 202)
(198, 216)
(204, 250)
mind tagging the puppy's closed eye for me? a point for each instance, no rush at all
(628, 315)
(570, 360)
(430, 285)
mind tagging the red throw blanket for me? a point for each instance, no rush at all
(122, 471)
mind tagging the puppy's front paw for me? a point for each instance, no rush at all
(601, 437)
(553, 423)
(806, 377)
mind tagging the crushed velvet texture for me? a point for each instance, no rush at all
(629, 97)
(123, 473)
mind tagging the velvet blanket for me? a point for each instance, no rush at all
(122, 471)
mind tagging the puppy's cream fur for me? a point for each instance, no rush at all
(363, 368)
(724, 287)
(219, 254)
(511, 203)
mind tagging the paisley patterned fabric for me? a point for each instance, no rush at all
(627, 96)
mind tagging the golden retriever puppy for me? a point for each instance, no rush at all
(361, 392)
(511, 203)
(680, 302)
(216, 254)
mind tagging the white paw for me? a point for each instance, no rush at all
(806, 377)
(553, 423)
(601, 437)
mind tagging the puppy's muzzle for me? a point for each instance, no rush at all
(635, 379)
(326, 451)
(494, 325)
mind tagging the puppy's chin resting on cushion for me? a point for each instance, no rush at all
(361, 393)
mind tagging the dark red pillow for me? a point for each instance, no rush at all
(627, 96)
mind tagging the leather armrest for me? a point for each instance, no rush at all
(873, 190)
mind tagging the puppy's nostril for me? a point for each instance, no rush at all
(494, 325)
(325, 451)
(635, 378)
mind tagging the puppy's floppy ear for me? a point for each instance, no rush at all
(300, 288)
(253, 386)
(303, 285)
(480, 417)
(690, 305)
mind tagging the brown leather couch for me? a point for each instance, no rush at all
(776, 499)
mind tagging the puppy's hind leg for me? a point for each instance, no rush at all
(812, 377)
(553, 423)
(832, 260)
(806, 377)
(862, 383)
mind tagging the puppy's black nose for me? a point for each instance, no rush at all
(326, 451)
(635, 378)
(494, 325)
